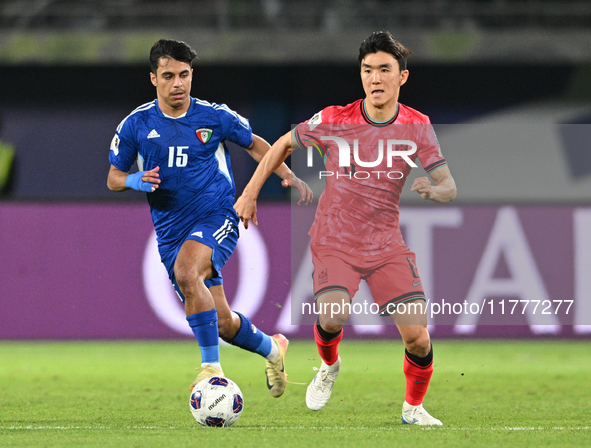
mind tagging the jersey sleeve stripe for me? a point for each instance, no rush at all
(139, 109)
(203, 102)
(298, 139)
(435, 165)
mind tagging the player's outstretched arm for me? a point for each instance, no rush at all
(259, 148)
(119, 180)
(246, 205)
(444, 189)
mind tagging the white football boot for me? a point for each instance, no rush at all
(320, 388)
(275, 370)
(207, 370)
(416, 415)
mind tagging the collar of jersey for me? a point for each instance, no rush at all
(180, 116)
(378, 123)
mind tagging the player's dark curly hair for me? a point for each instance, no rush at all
(383, 41)
(174, 49)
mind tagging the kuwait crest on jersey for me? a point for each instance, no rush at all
(204, 134)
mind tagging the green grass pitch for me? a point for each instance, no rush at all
(135, 394)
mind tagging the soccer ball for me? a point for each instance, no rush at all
(216, 401)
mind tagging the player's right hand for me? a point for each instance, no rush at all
(306, 194)
(246, 209)
(423, 186)
(144, 180)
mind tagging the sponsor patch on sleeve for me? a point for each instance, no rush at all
(315, 120)
(115, 144)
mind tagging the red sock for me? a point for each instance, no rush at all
(328, 344)
(418, 373)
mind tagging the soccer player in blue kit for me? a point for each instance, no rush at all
(184, 167)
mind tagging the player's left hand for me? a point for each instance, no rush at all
(422, 185)
(146, 181)
(306, 194)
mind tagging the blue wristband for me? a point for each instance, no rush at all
(135, 181)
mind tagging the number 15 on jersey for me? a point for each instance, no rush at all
(176, 156)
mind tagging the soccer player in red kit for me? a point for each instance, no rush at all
(356, 233)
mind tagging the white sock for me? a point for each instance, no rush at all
(215, 365)
(411, 405)
(335, 366)
(274, 353)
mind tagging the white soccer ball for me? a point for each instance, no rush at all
(216, 401)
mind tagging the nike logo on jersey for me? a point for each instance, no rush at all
(199, 234)
(420, 382)
(153, 134)
(416, 283)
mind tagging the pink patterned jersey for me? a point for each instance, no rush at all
(366, 165)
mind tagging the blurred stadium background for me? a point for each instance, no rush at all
(506, 82)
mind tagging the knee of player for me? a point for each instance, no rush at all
(332, 326)
(189, 283)
(186, 284)
(418, 344)
(188, 275)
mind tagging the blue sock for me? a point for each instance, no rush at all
(252, 339)
(205, 328)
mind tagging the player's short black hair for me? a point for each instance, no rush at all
(174, 49)
(383, 41)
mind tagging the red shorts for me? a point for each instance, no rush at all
(392, 279)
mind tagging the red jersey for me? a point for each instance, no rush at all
(358, 211)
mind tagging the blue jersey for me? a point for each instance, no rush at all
(195, 171)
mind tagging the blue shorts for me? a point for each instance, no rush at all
(220, 232)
